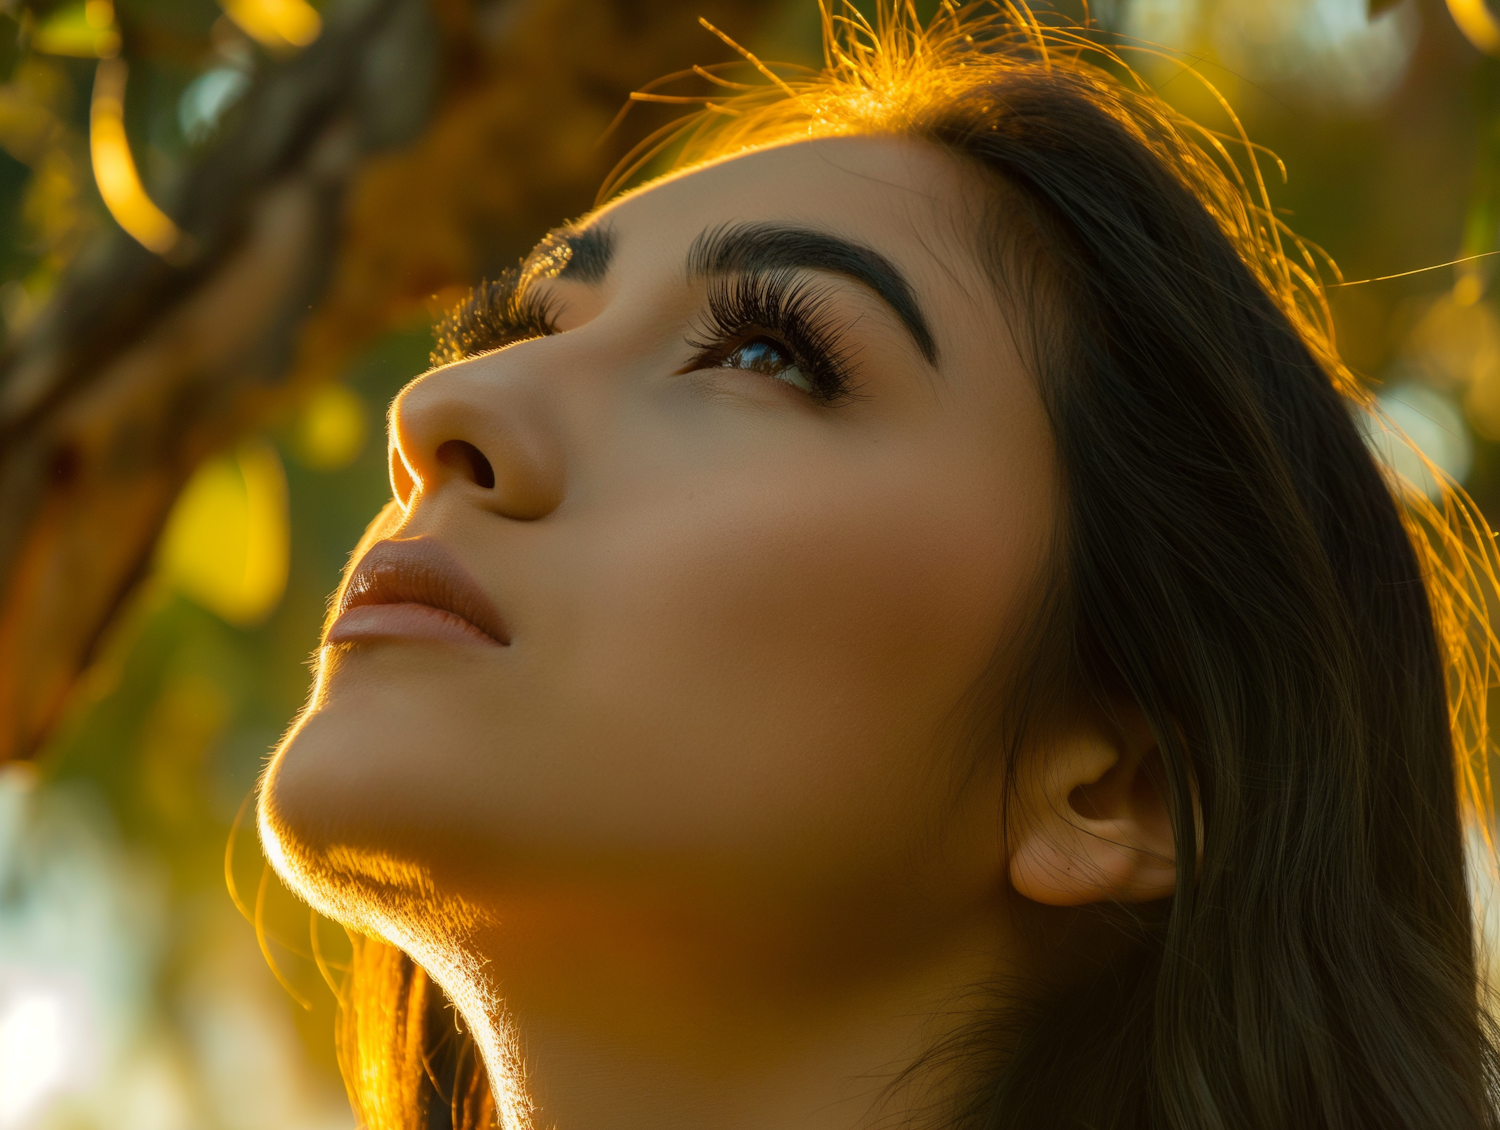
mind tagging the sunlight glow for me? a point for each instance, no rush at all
(207, 98)
(114, 167)
(463, 979)
(1332, 49)
(409, 913)
(33, 1053)
(1414, 421)
(277, 24)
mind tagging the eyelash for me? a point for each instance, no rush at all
(792, 314)
(742, 309)
(496, 313)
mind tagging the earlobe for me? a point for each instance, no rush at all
(1092, 823)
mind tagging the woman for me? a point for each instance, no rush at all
(895, 622)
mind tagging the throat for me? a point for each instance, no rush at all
(592, 1052)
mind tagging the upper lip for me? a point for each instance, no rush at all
(422, 571)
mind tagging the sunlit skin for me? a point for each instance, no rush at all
(709, 809)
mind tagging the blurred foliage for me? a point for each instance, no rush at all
(1390, 129)
(177, 716)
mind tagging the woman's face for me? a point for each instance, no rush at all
(742, 532)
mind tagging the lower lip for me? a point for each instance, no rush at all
(405, 621)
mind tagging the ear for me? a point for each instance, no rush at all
(1092, 823)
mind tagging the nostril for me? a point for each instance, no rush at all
(468, 460)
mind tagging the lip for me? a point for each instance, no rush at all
(415, 588)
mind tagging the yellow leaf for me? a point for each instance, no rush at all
(227, 540)
(82, 30)
(277, 24)
(114, 167)
(330, 429)
(1477, 23)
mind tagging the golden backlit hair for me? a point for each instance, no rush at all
(893, 75)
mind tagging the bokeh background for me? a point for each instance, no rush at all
(225, 228)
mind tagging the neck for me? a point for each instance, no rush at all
(653, 1032)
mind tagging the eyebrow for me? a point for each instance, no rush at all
(590, 252)
(754, 248)
(578, 254)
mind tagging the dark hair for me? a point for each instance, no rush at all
(1235, 562)
(1300, 638)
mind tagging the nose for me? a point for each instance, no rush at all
(482, 428)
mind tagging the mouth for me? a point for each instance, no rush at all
(415, 588)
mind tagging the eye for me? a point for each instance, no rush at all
(763, 355)
(779, 325)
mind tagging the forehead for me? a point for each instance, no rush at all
(905, 198)
(876, 171)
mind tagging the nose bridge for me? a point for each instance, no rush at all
(487, 427)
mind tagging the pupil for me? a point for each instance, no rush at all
(762, 356)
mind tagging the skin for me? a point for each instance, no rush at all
(699, 826)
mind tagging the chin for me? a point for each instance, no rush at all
(312, 813)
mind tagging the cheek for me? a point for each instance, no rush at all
(785, 647)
